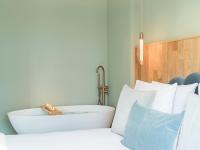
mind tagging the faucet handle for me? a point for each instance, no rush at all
(106, 89)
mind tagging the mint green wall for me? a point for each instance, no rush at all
(118, 47)
(122, 32)
(171, 19)
(49, 51)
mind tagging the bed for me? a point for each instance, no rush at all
(94, 139)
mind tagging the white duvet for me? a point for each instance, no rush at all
(3, 144)
(95, 139)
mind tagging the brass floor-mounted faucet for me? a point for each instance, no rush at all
(102, 87)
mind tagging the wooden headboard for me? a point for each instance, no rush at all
(168, 59)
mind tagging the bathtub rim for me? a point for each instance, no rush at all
(38, 112)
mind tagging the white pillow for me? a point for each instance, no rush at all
(182, 92)
(3, 145)
(127, 98)
(189, 138)
(164, 95)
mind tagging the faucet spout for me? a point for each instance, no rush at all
(102, 87)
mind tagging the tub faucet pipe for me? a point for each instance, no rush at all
(102, 87)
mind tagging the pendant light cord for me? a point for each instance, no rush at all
(141, 15)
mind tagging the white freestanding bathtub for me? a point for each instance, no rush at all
(73, 118)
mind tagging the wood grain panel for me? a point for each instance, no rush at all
(165, 60)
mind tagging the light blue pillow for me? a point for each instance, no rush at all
(148, 129)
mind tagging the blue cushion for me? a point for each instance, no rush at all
(193, 78)
(178, 80)
(148, 129)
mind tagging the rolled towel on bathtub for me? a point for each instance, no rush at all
(3, 144)
(51, 110)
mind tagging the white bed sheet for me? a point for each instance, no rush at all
(95, 139)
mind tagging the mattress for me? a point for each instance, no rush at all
(94, 139)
